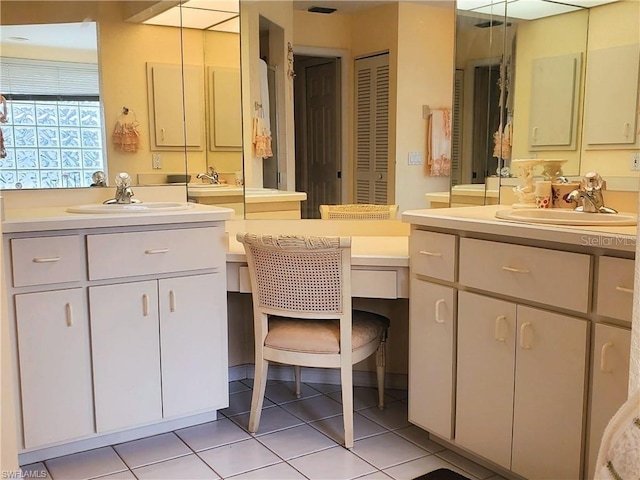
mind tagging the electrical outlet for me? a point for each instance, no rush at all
(635, 161)
(156, 161)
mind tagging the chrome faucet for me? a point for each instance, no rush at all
(212, 176)
(589, 197)
(124, 193)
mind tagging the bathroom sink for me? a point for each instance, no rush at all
(559, 216)
(128, 208)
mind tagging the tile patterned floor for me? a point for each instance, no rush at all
(298, 439)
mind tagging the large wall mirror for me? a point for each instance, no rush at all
(522, 91)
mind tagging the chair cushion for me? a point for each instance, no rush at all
(323, 336)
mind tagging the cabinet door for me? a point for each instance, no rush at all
(549, 394)
(485, 376)
(610, 379)
(126, 356)
(55, 366)
(431, 354)
(193, 335)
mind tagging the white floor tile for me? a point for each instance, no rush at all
(284, 392)
(236, 387)
(334, 427)
(314, 408)
(415, 468)
(241, 403)
(83, 465)
(296, 441)
(326, 387)
(279, 471)
(375, 476)
(126, 475)
(333, 464)
(249, 381)
(239, 457)
(363, 397)
(398, 394)
(139, 453)
(271, 420)
(384, 451)
(465, 464)
(190, 467)
(35, 470)
(212, 434)
(393, 416)
(419, 437)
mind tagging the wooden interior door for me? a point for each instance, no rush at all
(317, 111)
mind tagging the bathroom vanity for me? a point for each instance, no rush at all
(118, 322)
(519, 336)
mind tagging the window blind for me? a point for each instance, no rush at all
(23, 76)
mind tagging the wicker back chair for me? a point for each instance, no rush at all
(301, 288)
(359, 211)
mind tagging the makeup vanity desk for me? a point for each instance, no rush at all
(379, 252)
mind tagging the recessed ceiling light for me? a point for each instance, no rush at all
(325, 10)
(18, 39)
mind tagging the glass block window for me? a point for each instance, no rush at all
(51, 140)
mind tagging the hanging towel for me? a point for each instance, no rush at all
(502, 142)
(439, 143)
(261, 122)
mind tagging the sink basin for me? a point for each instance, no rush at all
(207, 185)
(130, 208)
(557, 216)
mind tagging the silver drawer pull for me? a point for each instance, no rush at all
(624, 289)
(153, 251)
(69, 312)
(46, 259)
(516, 270)
(430, 254)
(172, 301)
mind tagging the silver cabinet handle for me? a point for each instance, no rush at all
(172, 301)
(46, 259)
(497, 330)
(430, 254)
(154, 251)
(515, 270)
(69, 312)
(145, 305)
(624, 289)
(438, 303)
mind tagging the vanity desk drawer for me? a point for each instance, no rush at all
(433, 254)
(46, 260)
(146, 253)
(614, 290)
(541, 275)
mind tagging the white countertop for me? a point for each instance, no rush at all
(57, 218)
(251, 195)
(481, 219)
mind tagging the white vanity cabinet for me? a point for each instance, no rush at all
(510, 356)
(132, 332)
(55, 366)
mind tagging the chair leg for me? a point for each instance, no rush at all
(297, 374)
(257, 398)
(381, 363)
(346, 378)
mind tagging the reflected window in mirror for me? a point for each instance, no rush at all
(53, 127)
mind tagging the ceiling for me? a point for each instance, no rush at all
(76, 36)
(217, 15)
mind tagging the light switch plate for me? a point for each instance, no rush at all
(635, 161)
(156, 161)
(415, 158)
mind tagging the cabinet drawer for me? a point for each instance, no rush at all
(374, 283)
(433, 254)
(45, 260)
(116, 255)
(541, 275)
(615, 288)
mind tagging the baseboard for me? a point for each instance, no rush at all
(331, 376)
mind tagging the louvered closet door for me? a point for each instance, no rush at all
(372, 129)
